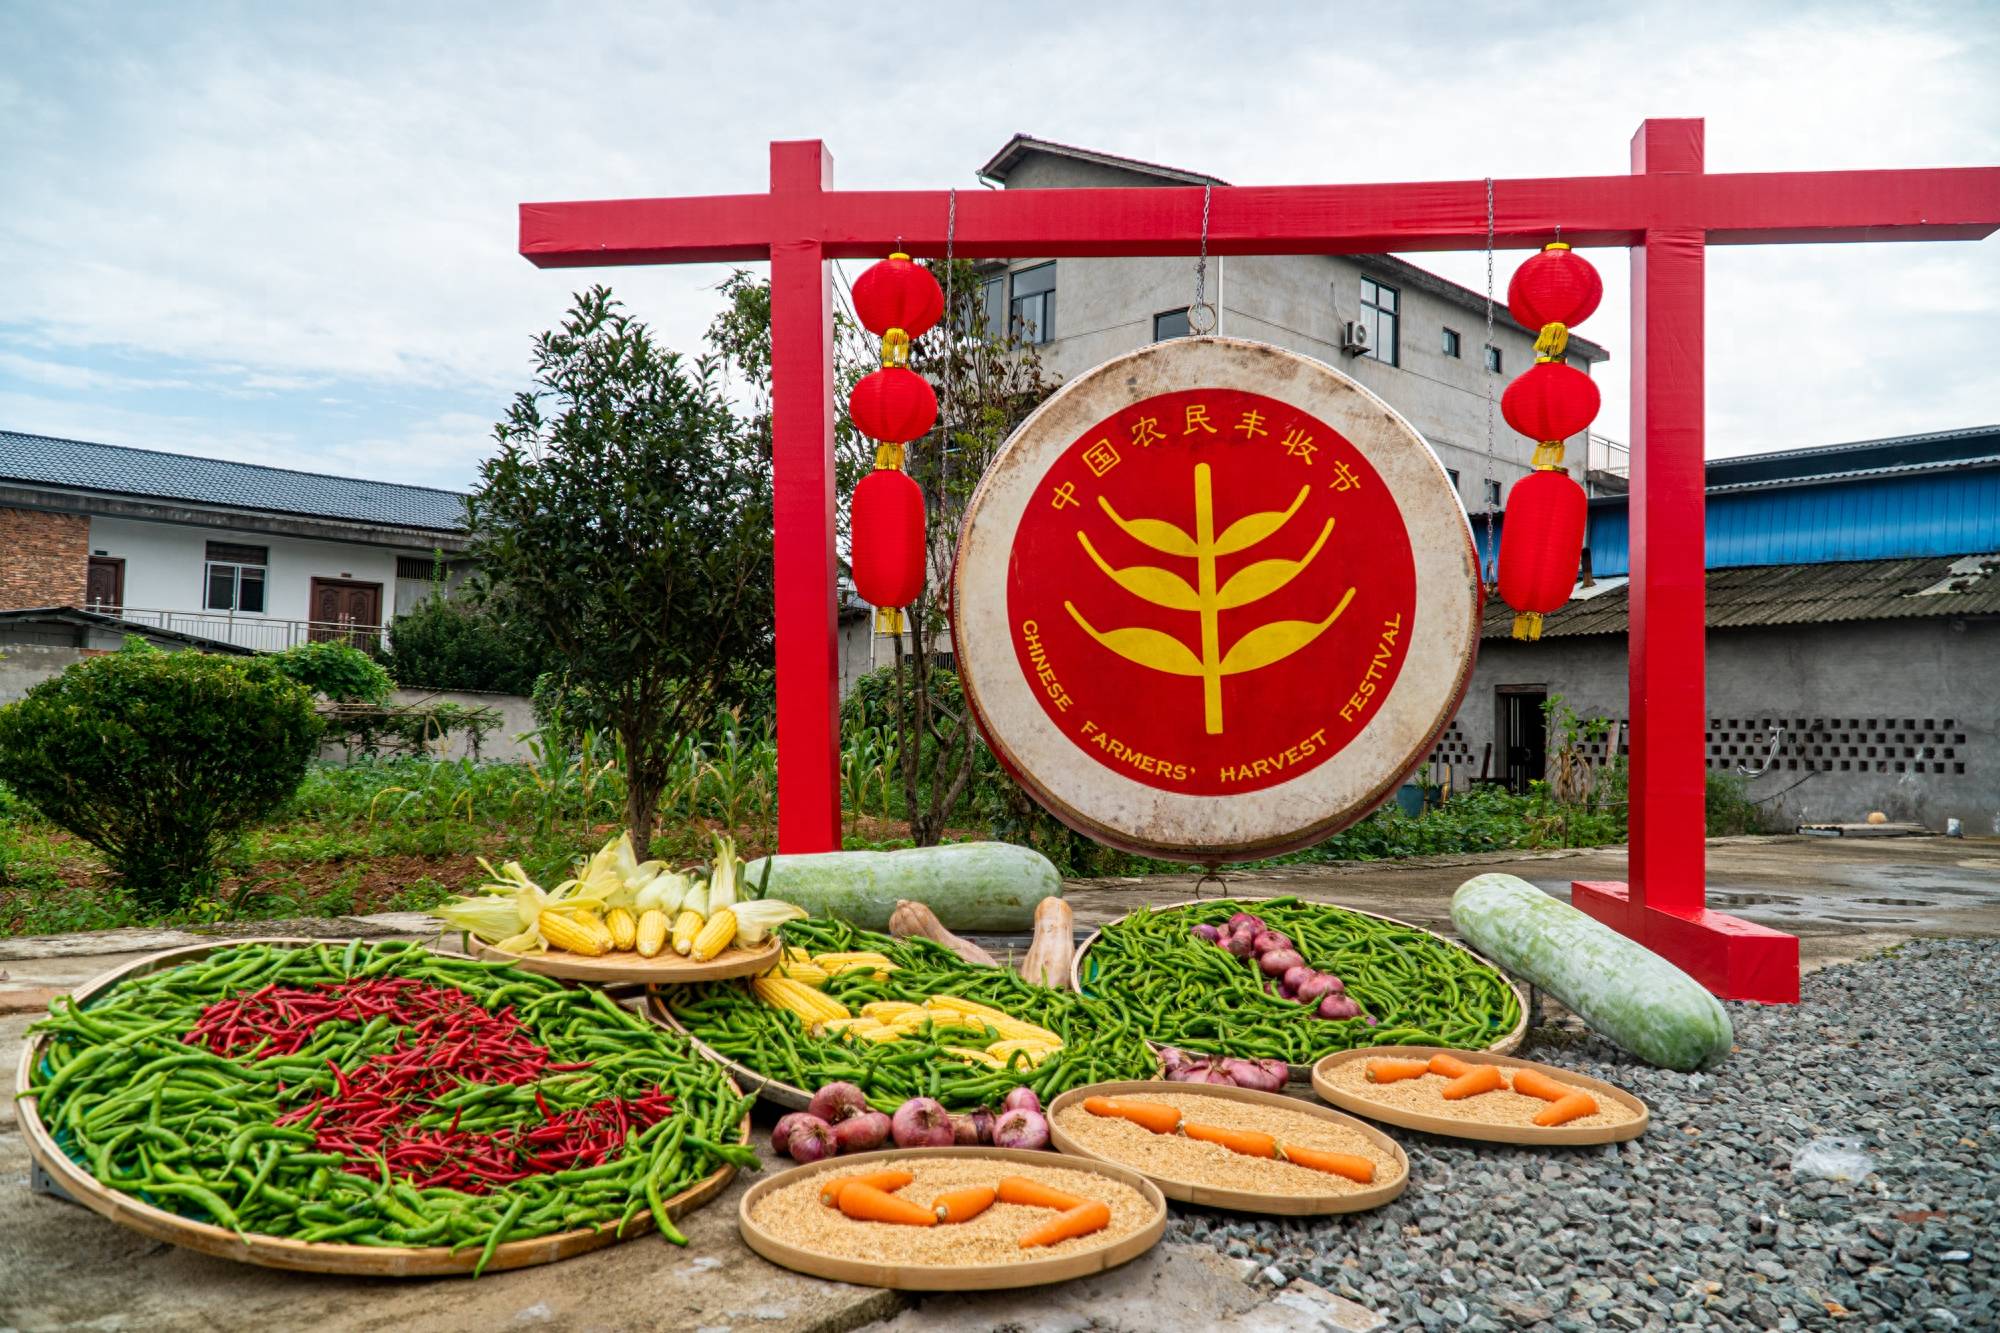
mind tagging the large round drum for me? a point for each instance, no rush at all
(1214, 600)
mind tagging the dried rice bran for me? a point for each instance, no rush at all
(1502, 1107)
(1186, 1161)
(795, 1215)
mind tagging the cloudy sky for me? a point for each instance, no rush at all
(285, 233)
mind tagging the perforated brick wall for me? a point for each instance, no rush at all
(44, 558)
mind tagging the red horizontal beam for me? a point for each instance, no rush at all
(1756, 208)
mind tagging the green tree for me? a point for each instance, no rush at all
(160, 759)
(340, 671)
(628, 515)
(462, 641)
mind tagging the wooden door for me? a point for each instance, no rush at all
(104, 588)
(346, 610)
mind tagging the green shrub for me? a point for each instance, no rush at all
(342, 672)
(160, 759)
(448, 643)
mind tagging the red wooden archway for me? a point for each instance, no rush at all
(1667, 210)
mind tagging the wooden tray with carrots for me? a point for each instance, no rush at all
(1479, 1095)
(1235, 1148)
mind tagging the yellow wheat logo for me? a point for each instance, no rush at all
(1270, 642)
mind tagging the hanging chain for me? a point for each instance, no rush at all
(1490, 554)
(1202, 317)
(950, 335)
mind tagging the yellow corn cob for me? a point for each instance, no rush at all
(975, 1057)
(879, 1034)
(686, 926)
(1001, 1023)
(854, 1025)
(714, 936)
(584, 934)
(806, 974)
(651, 935)
(624, 929)
(811, 1007)
(830, 960)
(890, 1010)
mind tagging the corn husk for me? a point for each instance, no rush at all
(664, 892)
(722, 875)
(757, 919)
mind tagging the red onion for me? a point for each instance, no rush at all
(1295, 975)
(1285, 991)
(1338, 1006)
(1270, 941)
(1242, 919)
(1278, 1069)
(1021, 1099)
(1253, 1074)
(1210, 1076)
(1238, 945)
(782, 1131)
(964, 1133)
(862, 1133)
(1021, 1128)
(921, 1123)
(811, 1139)
(1316, 988)
(835, 1102)
(1206, 932)
(1277, 962)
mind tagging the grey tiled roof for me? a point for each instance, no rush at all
(113, 469)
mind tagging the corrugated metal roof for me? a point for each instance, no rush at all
(117, 470)
(1758, 595)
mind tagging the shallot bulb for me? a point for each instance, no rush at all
(1206, 932)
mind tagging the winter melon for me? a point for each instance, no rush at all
(991, 886)
(1626, 992)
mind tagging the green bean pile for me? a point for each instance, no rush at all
(1098, 1042)
(1182, 991)
(195, 1133)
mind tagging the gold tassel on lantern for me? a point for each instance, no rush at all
(1528, 625)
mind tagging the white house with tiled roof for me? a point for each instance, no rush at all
(258, 557)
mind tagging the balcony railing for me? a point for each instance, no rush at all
(264, 634)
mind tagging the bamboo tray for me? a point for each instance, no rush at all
(770, 1089)
(1531, 1135)
(1242, 1201)
(303, 1256)
(953, 1277)
(1300, 1073)
(625, 966)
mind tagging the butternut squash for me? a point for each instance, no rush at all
(914, 920)
(1052, 946)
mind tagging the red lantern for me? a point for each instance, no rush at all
(1541, 545)
(887, 523)
(898, 294)
(1557, 286)
(1550, 401)
(894, 405)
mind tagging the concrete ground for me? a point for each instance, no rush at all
(62, 1267)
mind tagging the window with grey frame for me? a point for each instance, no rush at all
(1380, 306)
(1493, 360)
(233, 577)
(1492, 492)
(1170, 324)
(1450, 343)
(1032, 309)
(993, 305)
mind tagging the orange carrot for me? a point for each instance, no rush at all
(886, 1181)
(1067, 1225)
(1483, 1078)
(865, 1203)
(1575, 1106)
(1156, 1116)
(1534, 1083)
(1355, 1168)
(1020, 1189)
(1394, 1071)
(1444, 1062)
(963, 1205)
(1246, 1141)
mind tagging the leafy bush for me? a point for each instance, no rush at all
(340, 671)
(160, 759)
(448, 643)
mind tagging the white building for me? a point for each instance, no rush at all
(259, 557)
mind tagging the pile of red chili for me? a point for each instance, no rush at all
(372, 1118)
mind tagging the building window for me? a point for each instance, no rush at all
(1378, 316)
(234, 577)
(1033, 309)
(993, 305)
(1170, 324)
(1451, 343)
(1492, 493)
(1452, 472)
(1493, 359)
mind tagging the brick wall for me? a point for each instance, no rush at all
(44, 558)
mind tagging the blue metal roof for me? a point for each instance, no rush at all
(1904, 498)
(116, 470)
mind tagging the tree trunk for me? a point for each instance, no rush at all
(642, 797)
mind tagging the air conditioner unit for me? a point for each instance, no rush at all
(1354, 336)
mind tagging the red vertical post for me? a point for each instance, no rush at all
(802, 449)
(1664, 906)
(1668, 597)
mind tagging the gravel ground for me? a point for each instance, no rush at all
(1703, 1222)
